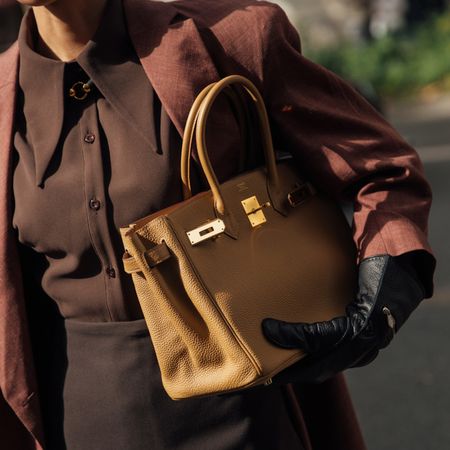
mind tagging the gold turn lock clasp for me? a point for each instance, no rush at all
(254, 210)
(206, 231)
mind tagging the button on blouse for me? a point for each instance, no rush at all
(85, 168)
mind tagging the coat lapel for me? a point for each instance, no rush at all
(17, 380)
(172, 54)
(179, 66)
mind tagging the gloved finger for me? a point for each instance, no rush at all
(310, 337)
(317, 368)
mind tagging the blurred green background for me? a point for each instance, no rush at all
(388, 48)
(408, 61)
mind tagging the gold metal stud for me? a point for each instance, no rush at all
(80, 90)
(390, 318)
(254, 210)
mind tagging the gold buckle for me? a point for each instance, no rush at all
(254, 211)
(80, 90)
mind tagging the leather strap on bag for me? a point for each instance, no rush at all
(242, 114)
(154, 256)
(197, 120)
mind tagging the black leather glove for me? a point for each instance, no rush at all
(389, 290)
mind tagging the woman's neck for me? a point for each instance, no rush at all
(65, 26)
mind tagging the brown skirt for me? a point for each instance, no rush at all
(101, 389)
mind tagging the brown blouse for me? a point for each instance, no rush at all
(82, 169)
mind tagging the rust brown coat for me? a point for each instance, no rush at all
(342, 143)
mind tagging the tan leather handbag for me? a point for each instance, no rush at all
(209, 269)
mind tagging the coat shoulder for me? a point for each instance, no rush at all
(235, 18)
(245, 29)
(213, 12)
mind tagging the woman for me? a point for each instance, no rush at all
(77, 370)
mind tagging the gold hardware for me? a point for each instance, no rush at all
(390, 318)
(254, 210)
(80, 88)
(268, 382)
(300, 194)
(206, 231)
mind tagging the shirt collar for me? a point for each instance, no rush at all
(41, 80)
(108, 59)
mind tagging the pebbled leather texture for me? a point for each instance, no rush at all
(204, 305)
(355, 339)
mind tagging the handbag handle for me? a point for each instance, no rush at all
(186, 150)
(197, 119)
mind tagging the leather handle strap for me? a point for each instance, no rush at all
(197, 120)
(188, 137)
(189, 132)
(153, 256)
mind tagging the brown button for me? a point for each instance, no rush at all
(94, 204)
(89, 138)
(111, 272)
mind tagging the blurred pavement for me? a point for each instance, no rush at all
(403, 398)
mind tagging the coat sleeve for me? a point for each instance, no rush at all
(345, 147)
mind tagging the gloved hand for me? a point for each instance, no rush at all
(389, 290)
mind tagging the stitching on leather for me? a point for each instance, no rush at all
(202, 283)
